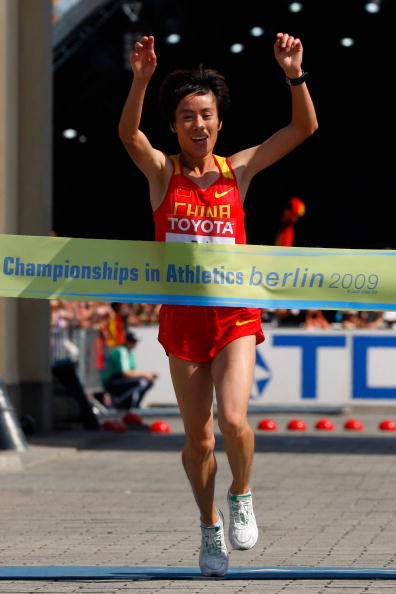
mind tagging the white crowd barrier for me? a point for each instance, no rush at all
(85, 349)
(293, 366)
(301, 367)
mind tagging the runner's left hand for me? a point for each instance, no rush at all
(288, 52)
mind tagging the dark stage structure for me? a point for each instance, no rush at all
(344, 173)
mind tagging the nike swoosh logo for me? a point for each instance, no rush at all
(238, 323)
(221, 194)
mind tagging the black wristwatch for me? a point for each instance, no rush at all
(297, 81)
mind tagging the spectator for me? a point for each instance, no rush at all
(85, 311)
(115, 330)
(370, 319)
(294, 209)
(349, 320)
(143, 313)
(363, 319)
(267, 316)
(314, 319)
(289, 317)
(62, 313)
(110, 319)
(126, 384)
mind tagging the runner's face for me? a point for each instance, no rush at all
(197, 123)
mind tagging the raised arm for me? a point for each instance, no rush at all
(288, 52)
(149, 160)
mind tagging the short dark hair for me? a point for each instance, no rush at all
(130, 336)
(200, 81)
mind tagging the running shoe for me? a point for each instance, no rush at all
(243, 531)
(213, 556)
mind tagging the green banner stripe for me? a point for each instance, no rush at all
(197, 274)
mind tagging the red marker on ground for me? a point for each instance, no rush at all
(115, 425)
(267, 425)
(325, 425)
(131, 418)
(160, 427)
(297, 425)
(354, 425)
(387, 425)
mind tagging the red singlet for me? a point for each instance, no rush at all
(215, 215)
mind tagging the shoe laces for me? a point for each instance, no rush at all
(212, 540)
(241, 511)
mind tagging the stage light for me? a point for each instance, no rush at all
(256, 31)
(132, 10)
(69, 133)
(173, 38)
(373, 7)
(237, 48)
(347, 42)
(295, 6)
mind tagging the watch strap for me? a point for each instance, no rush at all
(297, 81)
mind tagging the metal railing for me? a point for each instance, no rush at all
(85, 348)
(11, 435)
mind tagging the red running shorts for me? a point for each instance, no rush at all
(198, 333)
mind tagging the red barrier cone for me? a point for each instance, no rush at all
(267, 425)
(160, 427)
(387, 425)
(354, 425)
(121, 427)
(115, 425)
(108, 425)
(297, 425)
(131, 418)
(325, 425)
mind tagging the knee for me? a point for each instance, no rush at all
(234, 426)
(199, 449)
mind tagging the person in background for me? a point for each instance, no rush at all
(363, 319)
(314, 319)
(126, 384)
(371, 319)
(294, 210)
(115, 329)
(289, 318)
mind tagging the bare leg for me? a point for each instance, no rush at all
(232, 372)
(194, 391)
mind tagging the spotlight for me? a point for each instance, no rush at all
(256, 31)
(69, 133)
(237, 48)
(295, 6)
(173, 38)
(373, 7)
(347, 42)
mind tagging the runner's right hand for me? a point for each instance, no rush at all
(143, 58)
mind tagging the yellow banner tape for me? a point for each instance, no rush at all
(197, 274)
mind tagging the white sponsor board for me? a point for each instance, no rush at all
(299, 367)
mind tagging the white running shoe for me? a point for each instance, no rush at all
(243, 531)
(213, 556)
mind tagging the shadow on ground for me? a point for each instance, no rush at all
(143, 440)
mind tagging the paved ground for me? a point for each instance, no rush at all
(83, 498)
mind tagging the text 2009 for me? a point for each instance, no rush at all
(351, 281)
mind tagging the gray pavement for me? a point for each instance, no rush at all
(81, 498)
